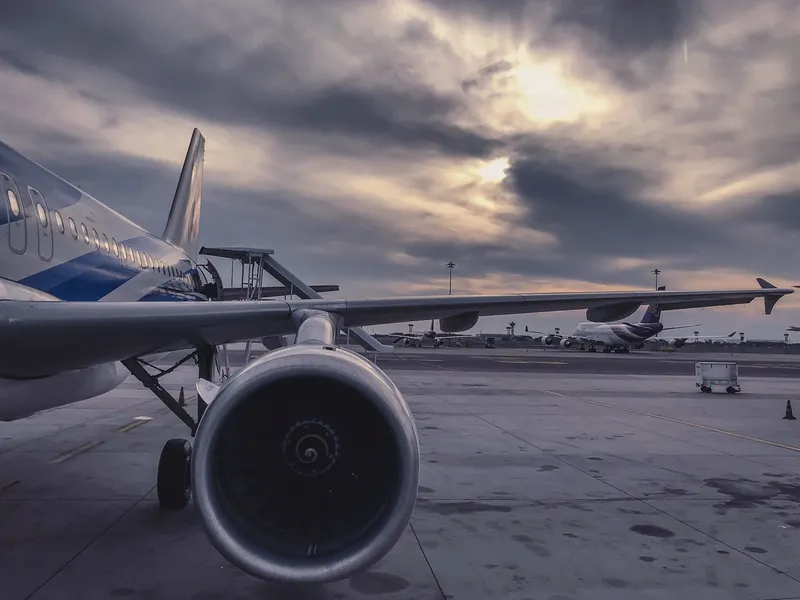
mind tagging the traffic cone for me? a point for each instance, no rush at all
(182, 399)
(789, 415)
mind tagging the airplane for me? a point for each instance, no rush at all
(304, 466)
(621, 337)
(430, 334)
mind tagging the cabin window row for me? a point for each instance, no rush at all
(111, 245)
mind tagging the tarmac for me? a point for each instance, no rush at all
(541, 483)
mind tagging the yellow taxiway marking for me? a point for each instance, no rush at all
(65, 456)
(681, 422)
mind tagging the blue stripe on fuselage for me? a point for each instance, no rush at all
(94, 275)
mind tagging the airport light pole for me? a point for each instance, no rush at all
(656, 272)
(451, 265)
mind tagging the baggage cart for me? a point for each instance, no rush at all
(711, 374)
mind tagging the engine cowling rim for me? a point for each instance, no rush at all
(218, 526)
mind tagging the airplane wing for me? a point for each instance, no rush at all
(40, 338)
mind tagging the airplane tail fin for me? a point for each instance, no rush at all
(183, 223)
(653, 312)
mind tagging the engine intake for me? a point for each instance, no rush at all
(306, 465)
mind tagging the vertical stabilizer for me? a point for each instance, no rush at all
(183, 223)
(653, 312)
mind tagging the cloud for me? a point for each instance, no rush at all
(537, 144)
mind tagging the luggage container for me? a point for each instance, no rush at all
(710, 374)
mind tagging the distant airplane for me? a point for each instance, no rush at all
(431, 334)
(621, 337)
(305, 463)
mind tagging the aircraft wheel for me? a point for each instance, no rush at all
(174, 474)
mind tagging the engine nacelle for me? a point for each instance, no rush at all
(549, 340)
(611, 312)
(676, 343)
(306, 465)
(565, 343)
(459, 323)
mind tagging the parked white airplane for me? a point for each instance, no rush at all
(305, 462)
(621, 337)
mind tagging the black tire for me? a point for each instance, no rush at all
(730, 389)
(174, 474)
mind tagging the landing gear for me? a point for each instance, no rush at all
(174, 474)
(173, 482)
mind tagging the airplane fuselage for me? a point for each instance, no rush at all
(617, 334)
(56, 239)
(58, 243)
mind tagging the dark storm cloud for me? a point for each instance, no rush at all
(777, 210)
(581, 199)
(213, 78)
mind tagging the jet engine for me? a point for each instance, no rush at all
(306, 465)
(676, 343)
(549, 339)
(565, 343)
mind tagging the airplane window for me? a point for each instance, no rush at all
(149, 261)
(85, 233)
(140, 258)
(42, 214)
(59, 222)
(13, 202)
(123, 252)
(106, 244)
(96, 238)
(114, 247)
(72, 227)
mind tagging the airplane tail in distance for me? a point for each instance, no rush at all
(183, 223)
(653, 312)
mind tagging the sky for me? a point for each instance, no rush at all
(541, 145)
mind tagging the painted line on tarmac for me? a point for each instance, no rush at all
(531, 362)
(679, 421)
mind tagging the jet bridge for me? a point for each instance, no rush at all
(254, 263)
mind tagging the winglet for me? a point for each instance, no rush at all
(769, 300)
